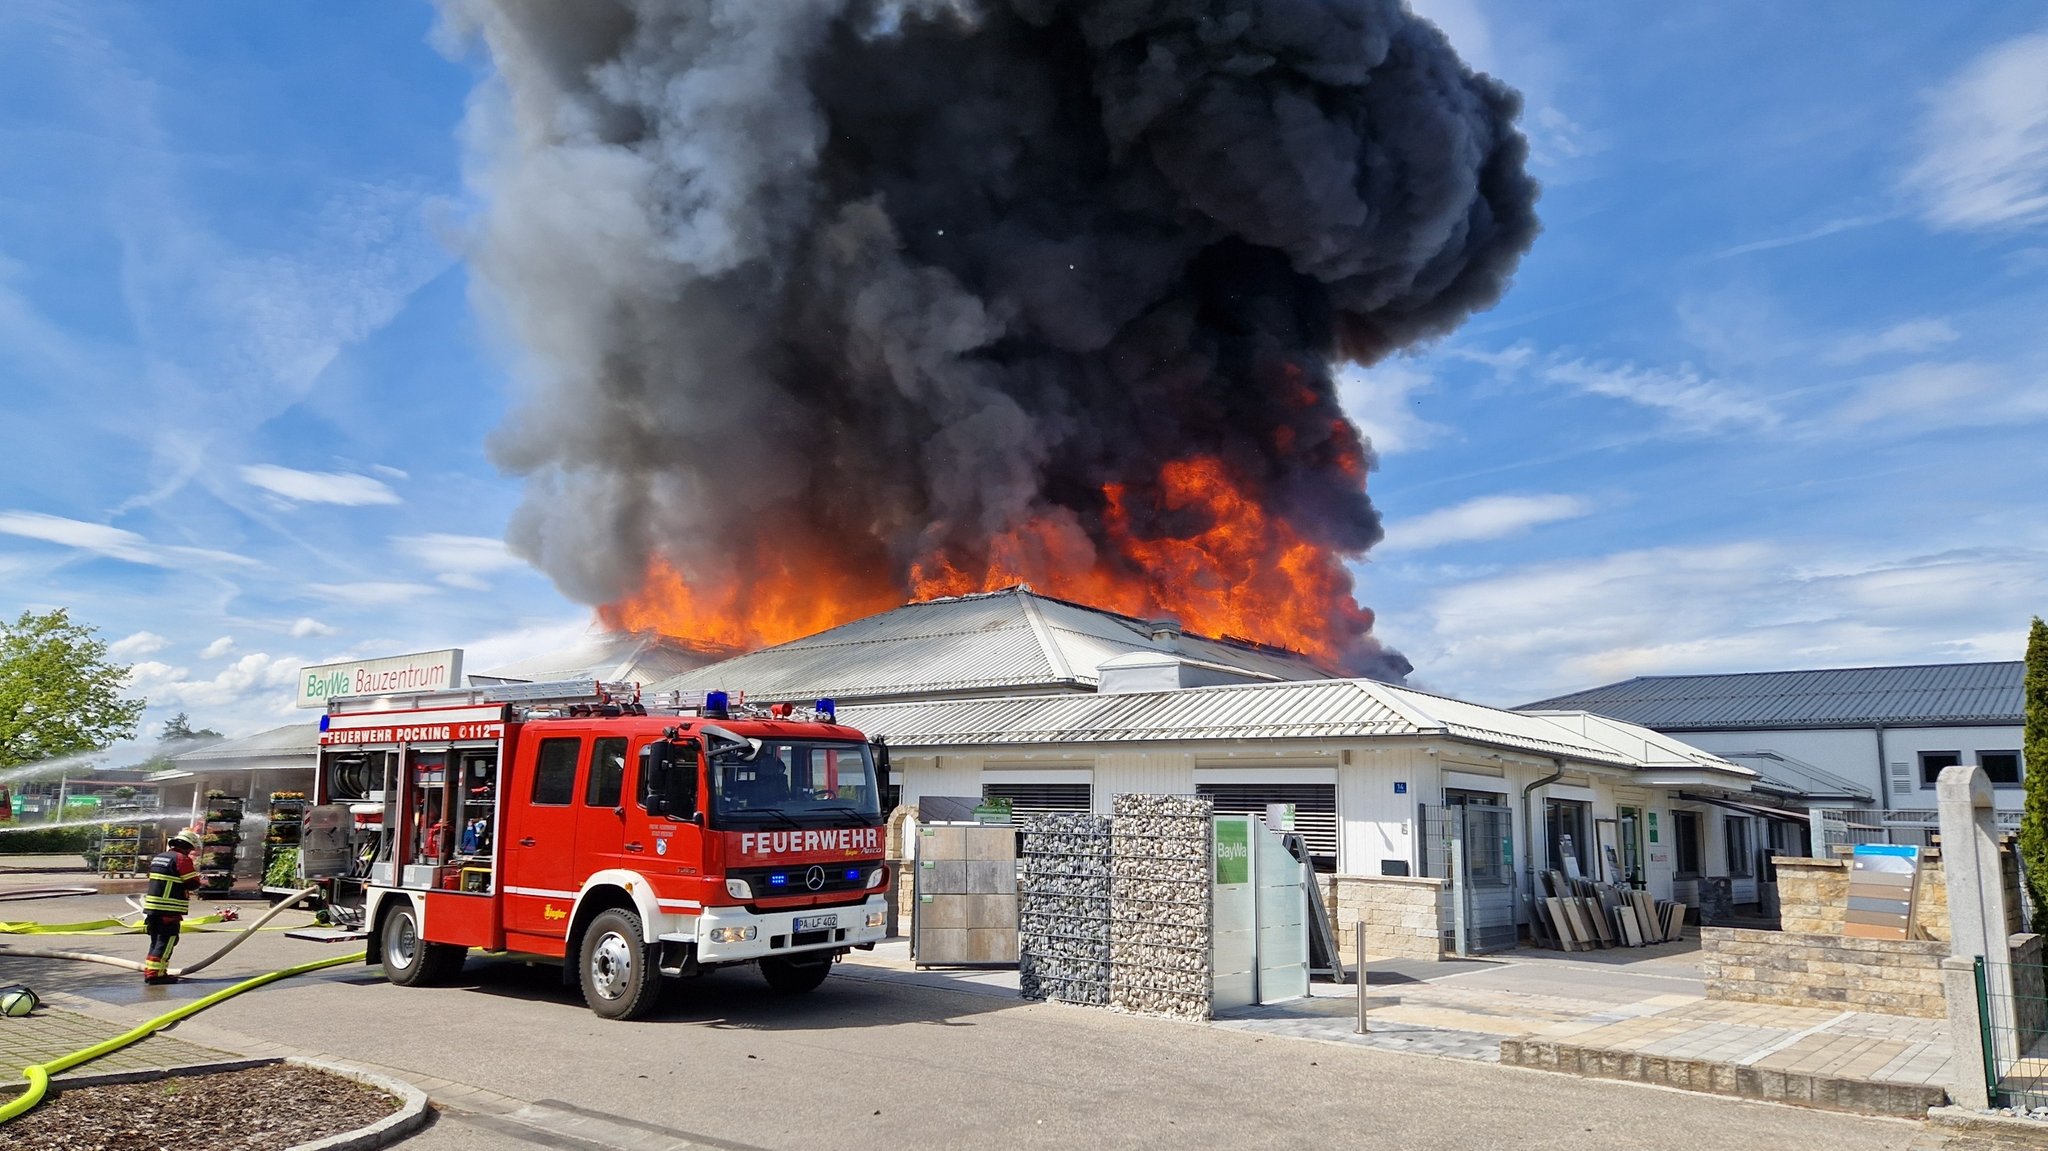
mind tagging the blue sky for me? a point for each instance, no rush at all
(1767, 393)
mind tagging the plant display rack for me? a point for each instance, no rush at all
(287, 814)
(219, 842)
(120, 849)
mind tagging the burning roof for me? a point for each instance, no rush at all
(824, 305)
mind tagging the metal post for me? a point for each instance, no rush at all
(1460, 882)
(1358, 929)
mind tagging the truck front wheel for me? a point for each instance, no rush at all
(409, 960)
(792, 978)
(619, 979)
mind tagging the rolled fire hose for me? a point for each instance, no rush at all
(38, 1076)
(136, 965)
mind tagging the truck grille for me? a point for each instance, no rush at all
(796, 880)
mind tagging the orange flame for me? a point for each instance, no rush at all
(1236, 570)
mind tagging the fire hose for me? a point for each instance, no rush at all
(38, 1076)
(134, 965)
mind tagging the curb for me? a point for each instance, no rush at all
(1707, 1077)
(1965, 1119)
(410, 1116)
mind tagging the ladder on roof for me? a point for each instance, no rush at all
(564, 693)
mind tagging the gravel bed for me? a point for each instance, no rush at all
(260, 1109)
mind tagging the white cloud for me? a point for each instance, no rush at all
(1911, 338)
(308, 626)
(218, 648)
(110, 542)
(139, 644)
(371, 593)
(1485, 518)
(1984, 141)
(1819, 231)
(1691, 401)
(345, 488)
(458, 561)
(1559, 626)
(1380, 400)
(1926, 395)
(256, 683)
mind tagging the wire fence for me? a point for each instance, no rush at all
(2012, 1001)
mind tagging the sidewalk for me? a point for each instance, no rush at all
(51, 1034)
(1640, 1014)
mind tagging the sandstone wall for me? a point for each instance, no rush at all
(1802, 969)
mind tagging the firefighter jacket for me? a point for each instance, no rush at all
(171, 875)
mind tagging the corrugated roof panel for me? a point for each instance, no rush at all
(1833, 697)
(1008, 639)
(293, 740)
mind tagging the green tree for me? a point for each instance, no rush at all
(178, 729)
(2034, 753)
(59, 695)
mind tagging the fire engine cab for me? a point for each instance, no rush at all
(565, 821)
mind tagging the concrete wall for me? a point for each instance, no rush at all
(1891, 977)
(1852, 754)
(1401, 914)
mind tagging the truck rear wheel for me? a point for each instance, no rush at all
(793, 978)
(618, 975)
(409, 960)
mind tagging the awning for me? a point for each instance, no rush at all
(1779, 813)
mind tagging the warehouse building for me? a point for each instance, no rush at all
(1862, 746)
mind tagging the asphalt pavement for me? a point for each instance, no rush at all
(515, 1060)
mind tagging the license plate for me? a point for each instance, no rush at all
(815, 923)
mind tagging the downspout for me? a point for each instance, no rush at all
(1529, 824)
(1884, 773)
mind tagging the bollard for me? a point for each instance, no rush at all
(1359, 930)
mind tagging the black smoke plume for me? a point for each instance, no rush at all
(868, 285)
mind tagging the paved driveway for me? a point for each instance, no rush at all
(518, 1062)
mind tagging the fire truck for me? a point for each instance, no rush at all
(574, 823)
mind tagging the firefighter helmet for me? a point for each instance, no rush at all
(186, 840)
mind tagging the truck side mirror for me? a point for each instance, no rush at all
(668, 780)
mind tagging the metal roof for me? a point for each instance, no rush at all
(1008, 640)
(1944, 693)
(1781, 773)
(292, 741)
(1315, 709)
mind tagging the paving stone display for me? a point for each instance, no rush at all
(1063, 910)
(1159, 914)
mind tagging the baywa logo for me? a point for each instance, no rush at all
(1232, 852)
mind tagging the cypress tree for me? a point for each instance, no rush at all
(2034, 754)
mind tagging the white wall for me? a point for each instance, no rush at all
(1852, 754)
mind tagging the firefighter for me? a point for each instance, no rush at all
(165, 902)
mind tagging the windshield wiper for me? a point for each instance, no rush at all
(847, 808)
(776, 812)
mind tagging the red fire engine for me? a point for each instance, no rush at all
(564, 821)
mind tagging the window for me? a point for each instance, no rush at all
(1741, 850)
(1686, 827)
(2002, 766)
(1315, 811)
(1931, 763)
(1028, 801)
(554, 772)
(607, 773)
(1565, 834)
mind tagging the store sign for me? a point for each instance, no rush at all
(413, 733)
(1233, 851)
(1653, 827)
(422, 671)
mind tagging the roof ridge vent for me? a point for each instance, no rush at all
(1166, 632)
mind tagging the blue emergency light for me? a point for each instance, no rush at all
(323, 722)
(853, 876)
(778, 880)
(718, 704)
(827, 709)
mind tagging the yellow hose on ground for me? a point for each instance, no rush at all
(38, 1076)
(133, 965)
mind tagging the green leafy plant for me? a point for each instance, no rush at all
(284, 869)
(2034, 754)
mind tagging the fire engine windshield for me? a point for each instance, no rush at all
(807, 784)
